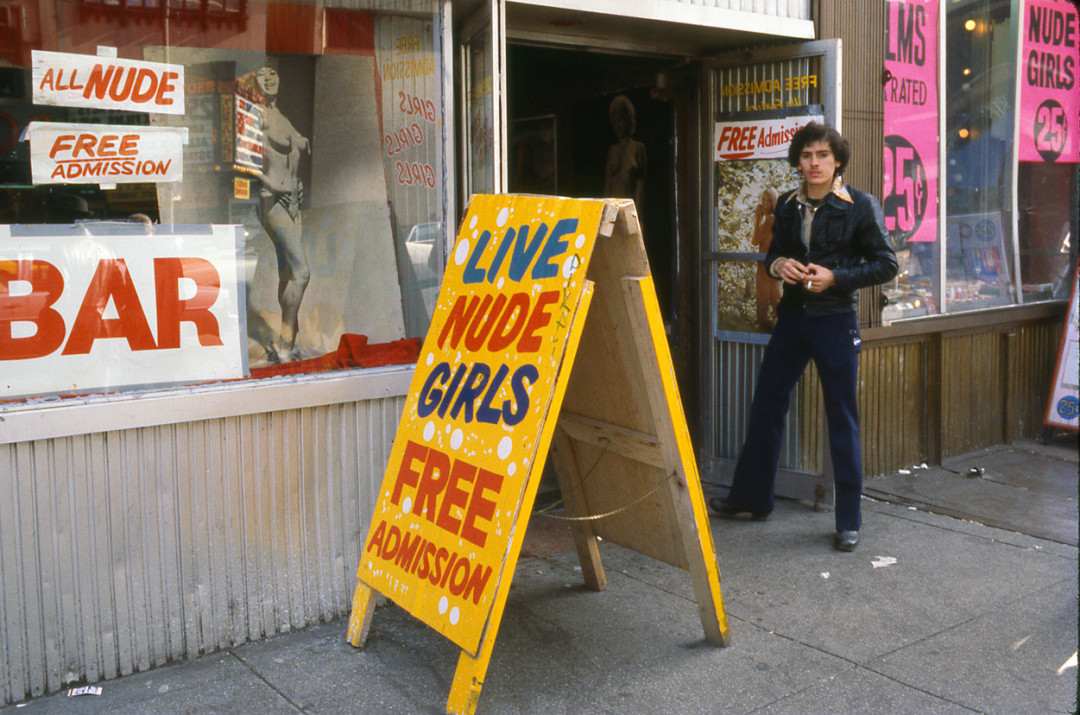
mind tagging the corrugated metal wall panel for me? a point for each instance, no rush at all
(123, 550)
(738, 365)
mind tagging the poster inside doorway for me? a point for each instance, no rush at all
(752, 171)
(759, 107)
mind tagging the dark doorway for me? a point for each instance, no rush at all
(563, 140)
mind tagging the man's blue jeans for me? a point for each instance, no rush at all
(832, 342)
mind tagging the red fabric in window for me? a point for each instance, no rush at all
(353, 351)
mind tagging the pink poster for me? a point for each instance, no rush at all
(1049, 101)
(911, 121)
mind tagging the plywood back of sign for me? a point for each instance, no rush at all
(608, 414)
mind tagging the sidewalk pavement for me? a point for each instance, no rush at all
(931, 614)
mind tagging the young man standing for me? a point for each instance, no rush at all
(828, 241)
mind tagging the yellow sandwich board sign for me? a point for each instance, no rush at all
(508, 357)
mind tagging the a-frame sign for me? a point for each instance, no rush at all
(547, 334)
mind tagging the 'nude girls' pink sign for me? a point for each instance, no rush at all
(1049, 100)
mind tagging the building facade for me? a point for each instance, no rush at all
(223, 227)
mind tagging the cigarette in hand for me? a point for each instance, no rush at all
(810, 285)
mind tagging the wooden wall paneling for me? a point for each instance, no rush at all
(973, 388)
(1010, 388)
(1031, 362)
(991, 391)
(934, 370)
(954, 393)
(874, 389)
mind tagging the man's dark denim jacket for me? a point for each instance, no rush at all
(847, 236)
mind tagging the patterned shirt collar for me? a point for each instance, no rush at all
(838, 190)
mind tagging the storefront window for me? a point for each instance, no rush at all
(980, 74)
(1047, 147)
(481, 156)
(911, 179)
(313, 133)
(1047, 195)
(983, 39)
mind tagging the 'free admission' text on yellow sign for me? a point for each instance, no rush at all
(467, 443)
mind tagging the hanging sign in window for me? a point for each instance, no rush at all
(81, 312)
(1048, 72)
(758, 139)
(911, 121)
(71, 80)
(105, 153)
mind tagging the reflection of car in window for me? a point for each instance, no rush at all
(423, 276)
(420, 243)
(424, 232)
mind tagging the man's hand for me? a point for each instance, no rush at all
(818, 278)
(791, 271)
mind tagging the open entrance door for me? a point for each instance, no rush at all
(757, 100)
(482, 59)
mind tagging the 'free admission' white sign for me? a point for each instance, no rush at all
(105, 153)
(758, 138)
